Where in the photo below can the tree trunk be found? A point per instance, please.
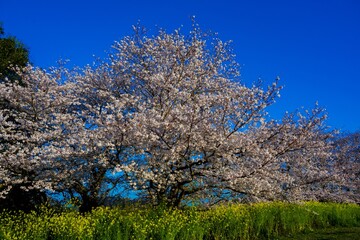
(88, 203)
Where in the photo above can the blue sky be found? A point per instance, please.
(313, 45)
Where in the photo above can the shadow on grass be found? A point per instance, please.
(352, 233)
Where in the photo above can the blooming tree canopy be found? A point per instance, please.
(31, 120)
(203, 130)
(168, 117)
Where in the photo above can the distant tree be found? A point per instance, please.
(346, 149)
(12, 53)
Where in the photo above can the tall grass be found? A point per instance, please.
(238, 221)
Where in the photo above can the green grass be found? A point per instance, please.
(238, 221)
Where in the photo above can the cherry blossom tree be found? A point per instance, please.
(30, 120)
(66, 133)
(346, 148)
(204, 132)
(284, 158)
(168, 117)
(102, 139)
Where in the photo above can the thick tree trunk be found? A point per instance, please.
(88, 203)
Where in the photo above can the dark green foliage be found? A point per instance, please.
(12, 53)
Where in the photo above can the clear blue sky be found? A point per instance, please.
(313, 45)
